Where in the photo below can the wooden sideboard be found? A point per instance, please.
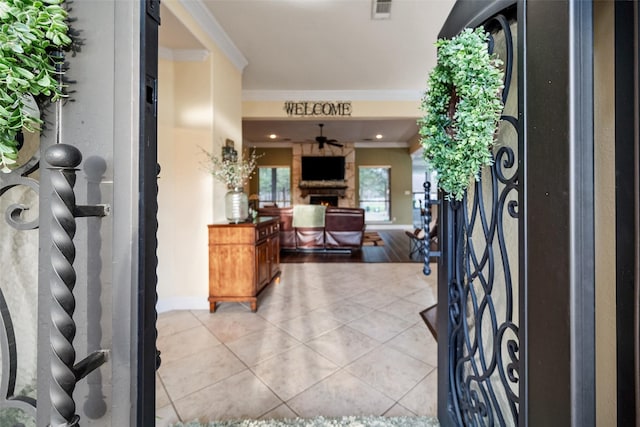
(243, 259)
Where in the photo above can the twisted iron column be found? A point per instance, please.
(426, 220)
(63, 160)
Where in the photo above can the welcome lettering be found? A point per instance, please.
(317, 108)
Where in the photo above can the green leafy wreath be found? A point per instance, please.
(462, 107)
(32, 35)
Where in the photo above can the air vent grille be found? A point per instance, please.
(381, 9)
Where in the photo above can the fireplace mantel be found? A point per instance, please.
(328, 188)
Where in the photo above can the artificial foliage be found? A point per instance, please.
(462, 106)
(33, 34)
(233, 173)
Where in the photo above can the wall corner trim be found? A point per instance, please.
(183, 55)
(213, 29)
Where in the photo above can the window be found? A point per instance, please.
(374, 192)
(275, 185)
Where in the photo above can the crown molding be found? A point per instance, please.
(183, 55)
(212, 28)
(288, 144)
(374, 144)
(332, 95)
(190, 55)
(268, 144)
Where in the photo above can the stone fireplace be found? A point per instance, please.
(343, 192)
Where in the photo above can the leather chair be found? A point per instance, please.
(344, 227)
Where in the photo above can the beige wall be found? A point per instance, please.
(182, 245)
(192, 106)
(224, 94)
(182, 221)
(604, 115)
(227, 119)
(400, 162)
(166, 102)
(199, 108)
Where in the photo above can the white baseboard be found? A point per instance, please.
(182, 303)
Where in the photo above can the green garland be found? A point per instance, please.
(32, 33)
(457, 144)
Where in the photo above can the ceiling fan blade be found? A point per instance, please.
(321, 139)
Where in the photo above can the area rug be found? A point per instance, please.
(324, 422)
(372, 238)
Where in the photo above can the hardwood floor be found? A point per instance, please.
(395, 249)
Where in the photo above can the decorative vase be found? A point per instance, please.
(236, 205)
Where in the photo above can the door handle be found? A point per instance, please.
(65, 373)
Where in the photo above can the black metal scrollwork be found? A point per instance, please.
(13, 216)
(20, 177)
(8, 400)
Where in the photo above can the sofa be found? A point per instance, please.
(314, 227)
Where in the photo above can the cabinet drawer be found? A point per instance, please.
(267, 229)
(275, 228)
(262, 233)
(231, 234)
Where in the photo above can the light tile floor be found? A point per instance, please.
(329, 339)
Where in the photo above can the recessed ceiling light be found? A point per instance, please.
(273, 136)
(381, 9)
(378, 136)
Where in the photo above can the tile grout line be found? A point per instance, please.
(335, 299)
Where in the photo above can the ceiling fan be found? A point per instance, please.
(321, 140)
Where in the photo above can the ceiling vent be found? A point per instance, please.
(381, 9)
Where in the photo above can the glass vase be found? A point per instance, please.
(236, 205)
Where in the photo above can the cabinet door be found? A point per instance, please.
(262, 264)
(274, 255)
(228, 272)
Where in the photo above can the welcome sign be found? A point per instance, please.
(317, 108)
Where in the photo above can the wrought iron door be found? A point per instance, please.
(517, 278)
(77, 237)
(479, 271)
(18, 287)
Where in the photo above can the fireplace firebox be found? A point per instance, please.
(323, 200)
